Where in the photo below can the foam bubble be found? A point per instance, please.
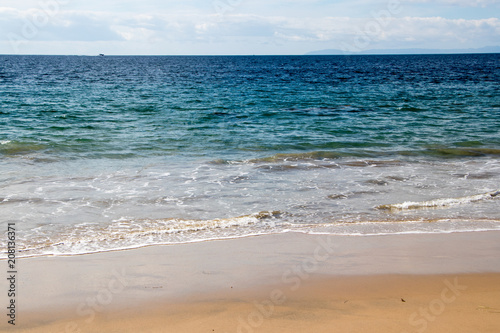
(440, 203)
(125, 233)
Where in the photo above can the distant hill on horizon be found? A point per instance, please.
(487, 49)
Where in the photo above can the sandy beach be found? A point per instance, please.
(288, 282)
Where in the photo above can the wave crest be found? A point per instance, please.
(133, 233)
(439, 203)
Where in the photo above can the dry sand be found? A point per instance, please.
(275, 283)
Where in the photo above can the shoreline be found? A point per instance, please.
(230, 238)
(135, 287)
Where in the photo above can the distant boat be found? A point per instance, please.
(101, 54)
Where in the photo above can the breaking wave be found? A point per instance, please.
(126, 234)
(440, 203)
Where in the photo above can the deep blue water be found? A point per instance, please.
(94, 107)
(168, 146)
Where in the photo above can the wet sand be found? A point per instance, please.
(276, 283)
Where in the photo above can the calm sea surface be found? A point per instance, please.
(105, 153)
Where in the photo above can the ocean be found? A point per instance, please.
(118, 152)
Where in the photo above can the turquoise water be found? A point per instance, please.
(102, 153)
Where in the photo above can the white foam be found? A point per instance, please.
(124, 233)
(440, 203)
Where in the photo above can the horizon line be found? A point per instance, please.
(310, 54)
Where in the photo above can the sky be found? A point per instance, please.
(243, 27)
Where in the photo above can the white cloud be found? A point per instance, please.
(462, 3)
(196, 32)
(438, 29)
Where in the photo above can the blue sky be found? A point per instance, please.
(167, 27)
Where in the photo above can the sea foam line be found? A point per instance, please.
(124, 234)
(439, 203)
